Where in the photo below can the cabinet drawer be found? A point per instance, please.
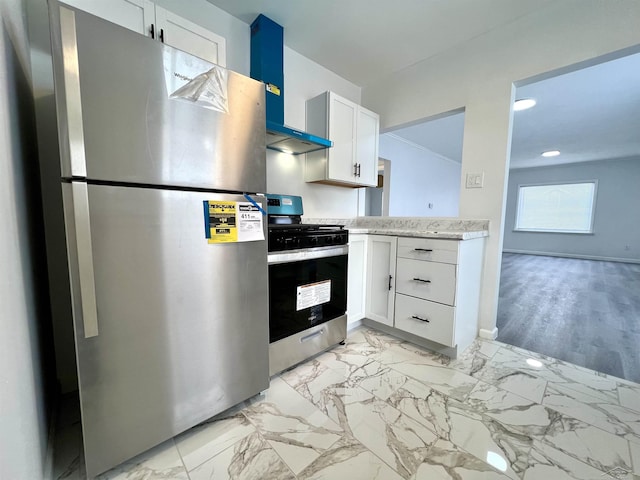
(440, 325)
(432, 249)
(427, 280)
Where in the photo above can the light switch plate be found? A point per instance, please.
(475, 180)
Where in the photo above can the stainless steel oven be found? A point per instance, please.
(307, 287)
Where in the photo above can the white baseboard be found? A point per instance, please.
(488, 334)
(572, 255)
(353, 325)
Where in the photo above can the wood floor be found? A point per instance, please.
(583, 311)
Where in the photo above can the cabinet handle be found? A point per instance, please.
(359, 167)
(420, 318)
(153, 31)
(355, 169)
(162, 35)
(422, 250)
(390, 277)
(421, 280)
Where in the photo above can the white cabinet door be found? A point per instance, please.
(144, 17)
(356, 277)
(136, 15)
(190, 37)
(342, 132)
(353, 159)
(381, 273)
(367, 147)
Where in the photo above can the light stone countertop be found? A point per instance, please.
(423, 227)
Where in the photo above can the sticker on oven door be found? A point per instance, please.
(313, 294)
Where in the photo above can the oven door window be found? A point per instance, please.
(298, 294)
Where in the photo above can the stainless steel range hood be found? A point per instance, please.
(288, 140)
(267, 65)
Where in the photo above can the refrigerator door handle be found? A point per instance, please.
(85, 258)
(73, 104)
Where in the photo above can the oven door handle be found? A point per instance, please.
(307, 254)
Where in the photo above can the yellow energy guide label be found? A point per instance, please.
(230, 222)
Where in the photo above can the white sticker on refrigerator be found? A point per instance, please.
(249, 222)
(313, 294)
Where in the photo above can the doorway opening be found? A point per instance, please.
(427, 163)
(570, 281)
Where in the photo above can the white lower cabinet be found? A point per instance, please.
(356, 274)
(427, 287)
(429, 280)
(431, 320)
(381, 281)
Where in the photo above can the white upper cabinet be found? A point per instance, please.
(353, 159)
(146, 18)
(136, 15)
(367, 146)
(190, 37)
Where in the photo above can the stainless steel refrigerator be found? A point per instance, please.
(162, 167)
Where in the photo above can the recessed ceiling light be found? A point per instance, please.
(523, 104)
(551, 153)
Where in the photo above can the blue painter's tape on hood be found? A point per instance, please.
(267, 65)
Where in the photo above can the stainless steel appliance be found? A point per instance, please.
(267, 65)
(162, 165)
(307, 284)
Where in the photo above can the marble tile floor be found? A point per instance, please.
(381, 408)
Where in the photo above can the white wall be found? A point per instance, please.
(479, 75)
(305, 79)
(24, 323)
(617, 199)
(420, 177)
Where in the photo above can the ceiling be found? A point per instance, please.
(589, 114)
(442, 136)
(364, 40)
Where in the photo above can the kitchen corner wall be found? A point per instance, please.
(27, 371)
(305, 79)
(479, 75)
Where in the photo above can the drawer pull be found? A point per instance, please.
(423, 250)
(390, 278)
(420, 318)
(421, 280)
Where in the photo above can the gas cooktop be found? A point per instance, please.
(286, 232)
